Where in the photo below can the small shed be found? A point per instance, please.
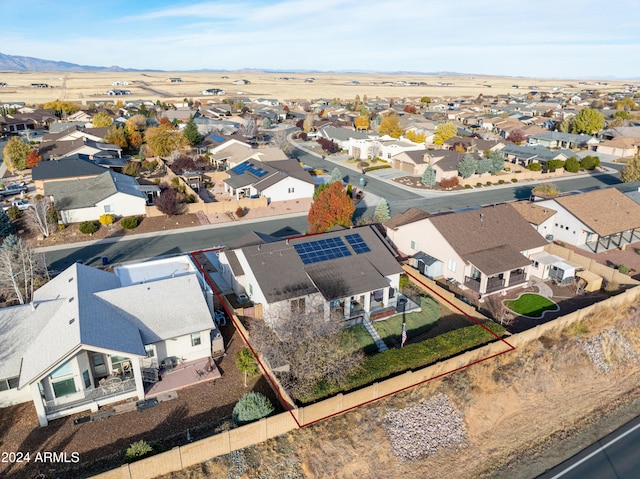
(562, 272)
(593, 282)
(427, 265)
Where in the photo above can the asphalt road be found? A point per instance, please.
(615, 456)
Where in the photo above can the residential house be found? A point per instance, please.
(75, 132)
(71, 168)
(524, 155)
(51, 150)
(276, 180)
(597, 220)
(86, 199)
(557, 139)
(342, 136)
(620, 146)
(385, 148)
(88, 339)
(485, 250)
(348, 274)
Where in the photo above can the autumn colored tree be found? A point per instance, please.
(362, 122)
(443, 132)
(33, 159)
(102, 120)
(117, 136)
(390, 125)
(517, 136)
(164, 141)
(333, 207)
(15, 154)
(410, 109)
(62, 108)
(416, 137)
(631, 171)
(183, 163)
(136, 123)
(168, 201)
(135, 140)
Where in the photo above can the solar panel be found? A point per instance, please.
(322, 250)
(250, 167)
(357, 243)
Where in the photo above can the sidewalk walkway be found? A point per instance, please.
(374, 335)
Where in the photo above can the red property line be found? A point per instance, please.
(277, 390)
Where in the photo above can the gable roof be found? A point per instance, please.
(70, 167)
(533, 213)
(606, 211)
(262, 175)
(87, 192)
(282, 275)
(475, 233)
(409, 216)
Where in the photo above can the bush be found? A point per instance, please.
(378, 167)
(240, 212)
(488, 183)
(590, 162)
(251, 407)
(612, 287)
(507, 168)
(449, 182)
(88, 227)
(514, 180)
(149, 165)
(129, 222)
(14, 213)
(572, 165)
(554, 164)
(501, 182)
(467, 186)
(191, 198)
(479, 184)
(132, 168)
(139, 450)
(623, 268)
(534, 167)
(106, 219)
(61, 227)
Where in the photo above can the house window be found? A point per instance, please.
(150, 350)
(298, 306)
(108, 208)
(196, 340)
(291, 190)
(11, 383)
(87, 380)
(250, 289)
(62, 370)
(414, 245)
(451, 264)
(64, 387)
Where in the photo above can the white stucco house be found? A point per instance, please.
(486, 250)
(92, 338)
(86, 199)
(349, 274)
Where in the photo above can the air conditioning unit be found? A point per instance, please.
(549, 237)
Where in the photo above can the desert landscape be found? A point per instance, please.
(90, 87)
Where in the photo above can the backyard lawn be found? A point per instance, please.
(363, 339)
(532, 305)
(390, 330)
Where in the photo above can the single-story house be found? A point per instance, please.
(597, 220)
(620, 146)
(86, 199)
(51, 150)
(88, 340)
(348, 274)
(485, 250)
(524, 155)
(558, 139)
(384, 148)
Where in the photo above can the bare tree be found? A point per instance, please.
(306, 347)
(249, 130)
(42, 216)
(495, 306)
(21, 268)
(279, 140)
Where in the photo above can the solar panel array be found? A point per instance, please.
(250, 167)
(322, 250)
(357, 243)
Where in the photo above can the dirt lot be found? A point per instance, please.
(523, 413)
(203, 409)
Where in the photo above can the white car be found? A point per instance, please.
(22, 205)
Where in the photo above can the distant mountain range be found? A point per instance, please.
(19, 63)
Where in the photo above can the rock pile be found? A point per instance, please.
(422, 430)
(600, 355)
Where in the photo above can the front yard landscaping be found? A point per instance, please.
(532, 305)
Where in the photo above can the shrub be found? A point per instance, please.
(488, 183)
(449, 182)
(129, 222)
(106, 219)
(572, 165)
(191, 198)
(501, 182)
(149, 165)
(514, 180)
(507, 168)
(612, 287)
(240, 212)
(467, 186)
(590, 162)
(88, 227)
(534, 167)
(14, 213)
(61, 227)
(139, 450)
(478, 184)
(251, 407)
(404, 281)
(132, 168)
(554, 164)
(623, 268)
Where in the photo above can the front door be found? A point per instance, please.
(99, 366)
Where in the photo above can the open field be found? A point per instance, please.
(87, 87)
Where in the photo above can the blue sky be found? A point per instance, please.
(559, 38)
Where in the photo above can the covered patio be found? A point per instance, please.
(183, 375)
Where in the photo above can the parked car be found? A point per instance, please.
(22, 205)
(14, 190)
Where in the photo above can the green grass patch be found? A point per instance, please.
(412, 356)
(390, 330)
(530, 304)
(363, 339)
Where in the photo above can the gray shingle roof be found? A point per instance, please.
(74, 166)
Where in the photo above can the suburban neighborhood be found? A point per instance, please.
(183, 279)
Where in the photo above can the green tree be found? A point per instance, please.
(497, 161)
(588, 121)
(191, 132)
(443, 132)
(467, 166)
(631, 171)
(484, 166)
(6, 226)
(429, 176)
(425, 99)
(590, 162)
(332, 207)
(390, 125)
(566, 125)
(336, 175)
(15, 154)
(102, 120)
(382, 213)
(554, 164)
(572, 165)
(246, 363)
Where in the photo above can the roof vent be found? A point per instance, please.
(481, 216)
(71, 321)
(71, 299)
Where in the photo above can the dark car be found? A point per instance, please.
(14, 190)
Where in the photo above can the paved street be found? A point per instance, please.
(615, 456)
